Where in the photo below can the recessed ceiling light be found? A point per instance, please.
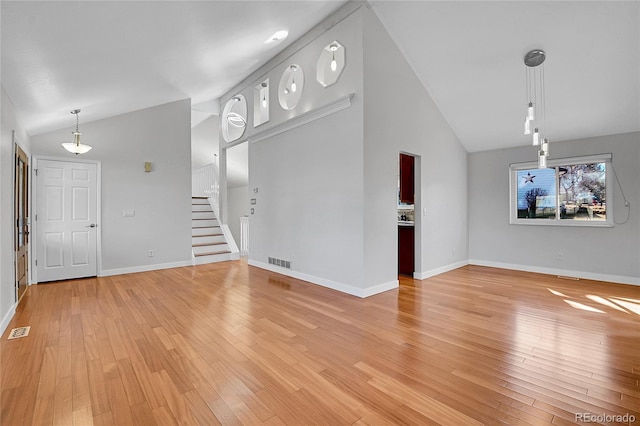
(277, 36)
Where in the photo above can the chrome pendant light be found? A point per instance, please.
(76, 147)
(535, 112)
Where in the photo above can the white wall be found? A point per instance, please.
(310, 179)
(161, 199)
(10, 122)
(400, 116)
(611, 254)
(238, 205)
(326, 191)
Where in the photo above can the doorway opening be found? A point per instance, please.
(237, 200)
(409, 208)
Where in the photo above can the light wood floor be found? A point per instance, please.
(231, 344)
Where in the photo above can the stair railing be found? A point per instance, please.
(205, 183)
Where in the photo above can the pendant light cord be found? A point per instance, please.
(543, 99)
(626, 202)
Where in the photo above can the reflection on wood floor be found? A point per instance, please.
(228, 344)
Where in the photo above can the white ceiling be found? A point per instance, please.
(469, 56)
(109, 58)
(112, 57)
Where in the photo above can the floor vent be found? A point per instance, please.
(16, 333)
(564, 277)
(279, 262)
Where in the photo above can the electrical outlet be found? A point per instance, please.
(560, 256)
(128, 213)
(150, 253)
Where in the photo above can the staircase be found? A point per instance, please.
(208, 240)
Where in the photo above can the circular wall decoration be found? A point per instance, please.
(290, 87)
(234, 118)
(330, 64)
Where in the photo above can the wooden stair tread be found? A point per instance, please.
(207, 235)
(203, 218)
(208, 244)
(212, 253)
(202, 227)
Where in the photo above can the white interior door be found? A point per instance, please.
(67, 226)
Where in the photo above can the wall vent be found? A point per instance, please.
(279, 262)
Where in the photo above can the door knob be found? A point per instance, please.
(93, 225)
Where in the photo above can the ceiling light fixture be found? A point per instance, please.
(536, 107)
(277, 36)
(76, 147)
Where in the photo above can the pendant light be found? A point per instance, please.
(536, 107)
(76, 147)
(293, 86)
(235, 119)
(536, 137)
(334, 63)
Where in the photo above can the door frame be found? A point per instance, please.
(34, 208)
(17, 150)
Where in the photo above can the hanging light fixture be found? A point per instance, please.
(76, 147)
(293, 86)
(334, 63)
(535, 112)
(235, 119)
(264, 86)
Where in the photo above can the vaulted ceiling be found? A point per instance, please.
(109, 58)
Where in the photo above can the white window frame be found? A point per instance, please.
(513, 191)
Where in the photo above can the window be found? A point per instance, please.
(572, 191)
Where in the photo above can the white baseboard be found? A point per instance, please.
(7, 318)
(620, 279)
(143, 268)
(441, 270)
(344, 288)
(380, 288)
